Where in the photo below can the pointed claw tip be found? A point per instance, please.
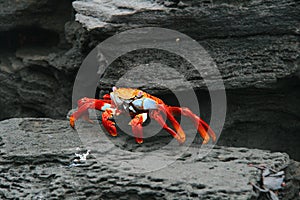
(205, 140)
(139, 140)
(181, 142)
(72, 122)
(214, 139)
(179, 139)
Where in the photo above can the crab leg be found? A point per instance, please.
(107, 123)
(180, 135)
(174, 122)
(203, 128)
(86, 103)
(154, 114)
(137, 129)
(106, 97)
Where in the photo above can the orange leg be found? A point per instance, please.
(156, 115)
(203, 128)
(106, 97)
(163, 108)
(137, 129)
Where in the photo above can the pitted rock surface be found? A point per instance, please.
(255, 45)
(36, 155)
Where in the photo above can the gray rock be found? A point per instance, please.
(32, 86)
(34, 77)
(254, 43)
(262, 118)
(32, 42)
(46, 14)
(36, 155)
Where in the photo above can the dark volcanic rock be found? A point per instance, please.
(262, 118)
(30, 86)
(36, 70)
(36, 155)
(254, 43)
(46, 14)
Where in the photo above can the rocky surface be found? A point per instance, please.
(261, 118)
(255, 45)
(36, 155)
(34, 77)
(50, 15)
(30, 86)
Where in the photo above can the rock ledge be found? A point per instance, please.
(36, 154)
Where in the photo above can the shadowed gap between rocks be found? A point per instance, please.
(27, 36)
(258, 118)
(264, 118)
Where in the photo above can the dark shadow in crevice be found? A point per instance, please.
(26, 37)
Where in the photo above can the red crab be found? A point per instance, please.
(139, 105)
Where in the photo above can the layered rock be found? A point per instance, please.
(254, 44)
(36, 71)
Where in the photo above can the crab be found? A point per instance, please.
(140, 106)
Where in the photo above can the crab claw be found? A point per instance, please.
(87, 103)
(72, 122)
(107, 123)
(206, 130)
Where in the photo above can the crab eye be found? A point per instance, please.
(140, 94)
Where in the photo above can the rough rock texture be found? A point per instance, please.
(261, 118)
(31, 86)
(36, 155)
(34, 77)
(49, 14)
(255, 44)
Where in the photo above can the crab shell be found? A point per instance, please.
(132, 99)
